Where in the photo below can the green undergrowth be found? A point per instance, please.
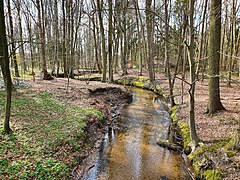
(201, 157)
(46, 136)
(144, 83)
(185, 133)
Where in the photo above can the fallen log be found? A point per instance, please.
(90, 79)
(169, 145)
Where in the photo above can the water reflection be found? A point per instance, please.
(131, 153)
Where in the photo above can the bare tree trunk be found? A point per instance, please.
(233, 41)
(224, 34)
(167, 54)
(214, 49)
(64, 40)
(201, 39)
(4, 56)
(41, 27)
(193, 133)
(96, 46)
(21, 52)
(110, 32)
(13, 52)
(149, 22)
(139, 36)
(116, 49)
(116, 35)
(104, 53)
(170, 83)
(143, 52)
(124, 41)
(29, 28)
(56, 61)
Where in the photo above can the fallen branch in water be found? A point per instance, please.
(169, 145)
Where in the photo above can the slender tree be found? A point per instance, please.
(104, 53)
(193, 133)
(233, 42)
(41, 26)
(21, 52)
(56, 38)
(201, 39)
(110, 32)
(64, 39)
(5, 68)
(166, 43)
(13, 51)
(124, 40)
(149, 23)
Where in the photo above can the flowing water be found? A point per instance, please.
(131, 152)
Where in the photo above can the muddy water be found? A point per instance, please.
(130, 152)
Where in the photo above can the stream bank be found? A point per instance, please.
(56, 126)
(213, 159)
(93, 169)
(176, 140)
(110, 101)
(129, 150)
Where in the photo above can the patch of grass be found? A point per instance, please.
(46, 133)
(185, 133)
(174, 116)
(215, 174)
(207, 151)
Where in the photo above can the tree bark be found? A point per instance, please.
(139, 37)
(104, 53)
(214, 103)
(5, 67)
(233, 41)
(201, 39)
(21, 52)
(110, 32)
(149, 22)
(64, 40)
(13, 52)
(166, 43)
(29, 29)
(124, 41)
(41, 27)
(193, 133)
(96, 46)
(56, 61)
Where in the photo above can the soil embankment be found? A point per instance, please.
(56, 126)
(108, 98)
(212, 159)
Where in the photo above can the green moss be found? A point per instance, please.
(185, 133)
(144, 83)
(204, 152)
(174, 116)
(231, 153)
(195, 167)
(230, 144)
(209, 174)
(138, 84)
(215, 174)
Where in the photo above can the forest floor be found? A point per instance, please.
(211, 130)
(214, 131)
(56, 126)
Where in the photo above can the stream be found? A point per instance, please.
(130, 152)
